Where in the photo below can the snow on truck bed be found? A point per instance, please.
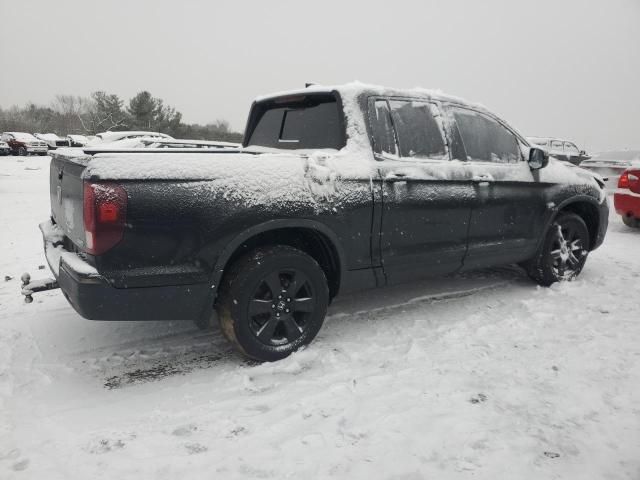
(483, 375)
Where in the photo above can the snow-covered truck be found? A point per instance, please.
(334, 189)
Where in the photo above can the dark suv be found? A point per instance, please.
(334, 189)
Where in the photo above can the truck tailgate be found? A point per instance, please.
(66, 191)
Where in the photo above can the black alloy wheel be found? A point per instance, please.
(272, 301)
(281, 306)
(563, 253)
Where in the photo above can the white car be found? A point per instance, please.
(162, 143)
(5, 149)
(77, 140)
(612, 164)
(108, 137)
(52, 140)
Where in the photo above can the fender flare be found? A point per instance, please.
(558, 208)
(267, 226)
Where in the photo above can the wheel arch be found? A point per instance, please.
(313, 238)
(587, 208)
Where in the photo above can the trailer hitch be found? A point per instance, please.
(29, 287)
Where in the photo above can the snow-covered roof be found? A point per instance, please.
(22, 135)
(52, 137)
(356, 88)
(112, 136)
(78, 138)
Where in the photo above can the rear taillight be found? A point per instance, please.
(105, 213)
(629, 179)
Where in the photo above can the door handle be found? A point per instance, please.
(482, 180)
(396, 177)
(483, 177)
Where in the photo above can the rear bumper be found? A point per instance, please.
(627, 203)
(94, 298)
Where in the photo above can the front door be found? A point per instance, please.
(510, 211)
(426, 198)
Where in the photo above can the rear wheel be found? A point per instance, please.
(272, 302)
(631, 221)
(563, 252)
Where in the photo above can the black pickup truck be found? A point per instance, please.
(334, 189)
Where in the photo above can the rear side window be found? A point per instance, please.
(408, 129)
(418, 131)
(384, 137)
(485, 139)
(305, 121)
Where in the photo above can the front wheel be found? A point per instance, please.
(22, 151)
(631, 221)
(563, 252)
(272, 302)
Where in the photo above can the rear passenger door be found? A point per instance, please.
(426, 198)
(508, 217)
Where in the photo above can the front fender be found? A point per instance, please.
(601, 208)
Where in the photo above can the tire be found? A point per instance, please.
(22, 151)
(563, 253)
(42, 154)
(272, 301)
(631, 222)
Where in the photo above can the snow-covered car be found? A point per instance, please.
(336, 189)
(560, 149)
(151, 143)
(22, 143)
(77, 140)
(52, 140)
(5, 149)
(612, 164)
(108, 137)
(626, 199)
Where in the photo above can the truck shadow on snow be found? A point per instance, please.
(188, 351)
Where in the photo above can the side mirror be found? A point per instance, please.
(583, 152)
(538, 158)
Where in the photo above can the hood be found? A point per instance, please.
(586, 174)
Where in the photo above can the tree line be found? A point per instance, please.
(102, 111)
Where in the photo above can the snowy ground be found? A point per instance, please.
(483, 374)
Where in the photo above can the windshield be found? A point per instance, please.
(297, 122)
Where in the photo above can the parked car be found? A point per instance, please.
(52, 140)
(561, 149)
(336, 189)
(106, 137)
(5, 149)
(612, 164)
(151, 143)
(626, 199)
(77, 140)
(24, 143)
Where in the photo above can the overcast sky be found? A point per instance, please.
(568, 68)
